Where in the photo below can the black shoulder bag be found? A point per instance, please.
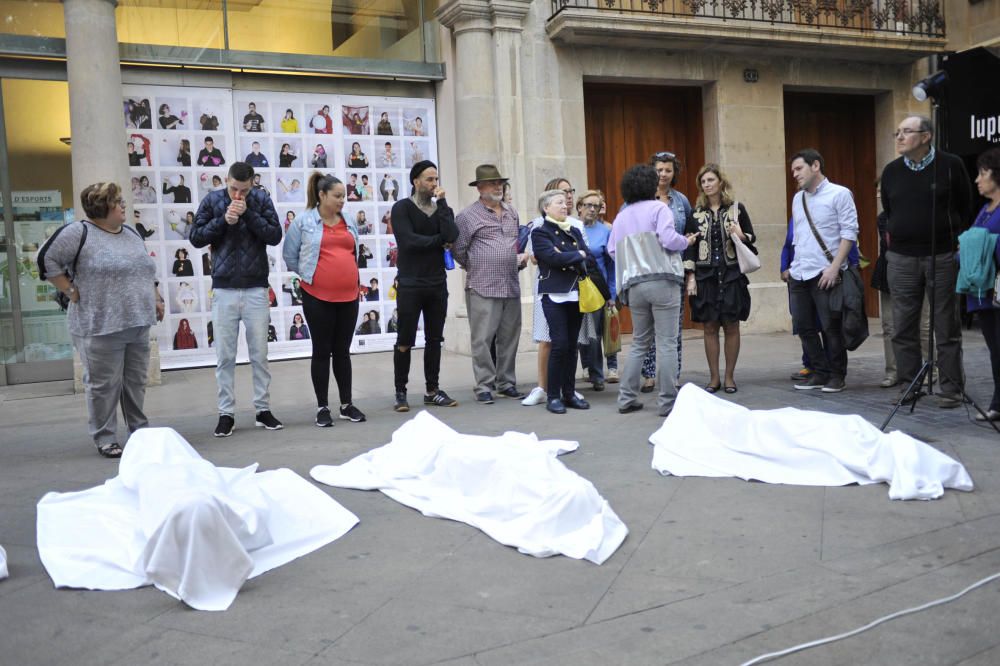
(61, 298)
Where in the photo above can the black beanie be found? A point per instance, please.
(419, 168)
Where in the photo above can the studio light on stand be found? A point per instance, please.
(933, 86)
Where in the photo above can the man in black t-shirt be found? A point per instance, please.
(253, 121)
(424, 229)
(924, 224)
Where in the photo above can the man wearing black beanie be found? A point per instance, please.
(424, 229)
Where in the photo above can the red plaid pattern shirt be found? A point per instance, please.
(487, 249)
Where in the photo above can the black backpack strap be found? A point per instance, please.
(45, 248)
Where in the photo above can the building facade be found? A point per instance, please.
(579, 88)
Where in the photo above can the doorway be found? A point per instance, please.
(627, 124)
(842, 128)
(35, 162)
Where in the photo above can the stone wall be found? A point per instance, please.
(539, 132)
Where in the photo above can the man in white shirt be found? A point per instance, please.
(825, 228)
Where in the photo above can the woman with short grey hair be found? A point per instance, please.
(103, 268)
(563, 259)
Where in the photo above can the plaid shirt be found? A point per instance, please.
(487, 249)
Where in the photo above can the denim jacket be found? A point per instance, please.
(302, 241)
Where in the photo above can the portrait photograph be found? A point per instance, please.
(209, 182)
(387, 154)
(388, 123)
(171, 113)
(209, 115)
(320, 155)
(256, 151)
(175, 187)
(186, 332)
(355, 120)
(288, 153)
(320, 119)
(173, 150)
(212, 151)
(138, 112)
(139, 149)
(415, 122)
(144, 187)
(288, 118)
(177, 223)
(415, 150)
(146, 221)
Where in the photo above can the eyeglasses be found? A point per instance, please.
(592, 206)
(569, 191)
(907, 132)
(119, 202)
(664, 156)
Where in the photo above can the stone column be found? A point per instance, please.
(95, 108)
(476, 131)
(95, 94)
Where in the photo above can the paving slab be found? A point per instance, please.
(714, 571)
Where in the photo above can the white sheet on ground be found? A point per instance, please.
(174, 520)
(512, 487)
(707, 436)
(3, 563)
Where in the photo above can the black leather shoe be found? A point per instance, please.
(484, 398)
(556, 406)
(574, 402)
(511, 392)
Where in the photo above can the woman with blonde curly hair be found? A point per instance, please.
(717, 290)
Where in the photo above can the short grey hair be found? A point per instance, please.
(546, 198)
(926, 124)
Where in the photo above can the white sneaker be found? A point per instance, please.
(612, 377)
(536, 397)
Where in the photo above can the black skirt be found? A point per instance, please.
(723, 295)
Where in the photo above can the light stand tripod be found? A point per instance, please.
(912, 394)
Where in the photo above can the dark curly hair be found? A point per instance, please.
(990, 161)
(639, 183)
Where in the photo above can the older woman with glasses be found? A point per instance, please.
(103, 268)
(596, 234)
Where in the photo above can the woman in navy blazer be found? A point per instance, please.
(563, 258)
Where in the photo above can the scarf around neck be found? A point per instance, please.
(564, 225)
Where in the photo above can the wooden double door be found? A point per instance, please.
(842, 128)
(627, 124)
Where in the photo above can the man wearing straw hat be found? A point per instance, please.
(487, 249)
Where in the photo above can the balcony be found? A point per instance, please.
(869, 30)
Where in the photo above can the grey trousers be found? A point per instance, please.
(489, 318)
(114, 371)
(909, 283)
(889, 329)
(655, 308)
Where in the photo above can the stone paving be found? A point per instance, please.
(714, 571)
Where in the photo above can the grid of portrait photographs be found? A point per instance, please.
(180, 142)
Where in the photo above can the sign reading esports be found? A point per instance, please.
(180, 144)
(972, 111)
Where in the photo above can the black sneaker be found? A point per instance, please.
(484, 398)
(511, 392)
(814, 382)
(629, 408)
(351, 413)
(266, 420)
(225, 427)
(440, 399)
(323, 418)
(401, 405)
(834, 385)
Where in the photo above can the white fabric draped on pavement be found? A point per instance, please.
(3, 563)
(512, 487)
(708, 436)
(174, 520)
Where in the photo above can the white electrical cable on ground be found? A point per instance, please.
(893, 616)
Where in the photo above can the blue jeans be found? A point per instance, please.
(229, 308)
(592, 353)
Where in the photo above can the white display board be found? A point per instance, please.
(173, 168)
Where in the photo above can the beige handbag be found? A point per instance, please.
(748, 261)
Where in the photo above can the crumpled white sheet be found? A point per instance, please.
(3, 563)
(174, 520)
(512, 487)
(707, 436)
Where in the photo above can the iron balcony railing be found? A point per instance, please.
(896, 17)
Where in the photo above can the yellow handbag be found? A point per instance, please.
(590, 296)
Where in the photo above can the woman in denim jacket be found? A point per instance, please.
(321, 245)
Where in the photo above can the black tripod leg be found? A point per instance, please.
(914, 389)
(967, 399)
